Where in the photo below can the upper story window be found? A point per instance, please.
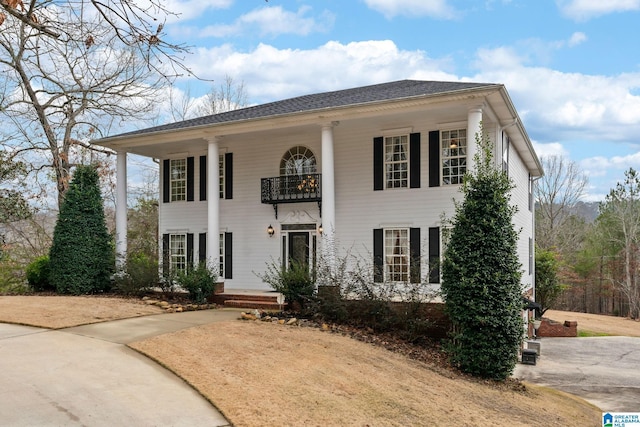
(396, 161)
(454, 155)
(298, 161)
(505, 154)
(178, 177)
(531, 192)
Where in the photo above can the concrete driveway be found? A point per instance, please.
(602, 370)
(85, 376)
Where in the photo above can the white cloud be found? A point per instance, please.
(549, 149)
(412, 8)
(583, 10)
(270, 21)
(561, 105)
(271, 73)
(190, 9)
(577, 38)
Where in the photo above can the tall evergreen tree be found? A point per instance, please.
(481, 273)
(81, 256)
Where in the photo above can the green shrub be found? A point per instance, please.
(200, 282)
(12, 276)
(81, 256)
(481, 274)
(139, 275)
(294, 282)
(38, 274)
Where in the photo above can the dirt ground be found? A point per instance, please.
(597, 323)
(266, 374)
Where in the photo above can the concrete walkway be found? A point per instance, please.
(601, 370)
(86, 376)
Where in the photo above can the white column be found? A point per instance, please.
(474, 120)
(121, 209)
(328, 195)
(213, 202)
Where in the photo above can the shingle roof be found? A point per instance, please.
(319, 101)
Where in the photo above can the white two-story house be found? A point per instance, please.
(371, 168)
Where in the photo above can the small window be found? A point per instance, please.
(396, 254)
(178, 252)
(531, 192)
(178, 177)
(531, 261)
(396, 161)
(505, 153)
(454, 156)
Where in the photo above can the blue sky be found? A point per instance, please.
(572, 67)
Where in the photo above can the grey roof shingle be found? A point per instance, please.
(319, 101)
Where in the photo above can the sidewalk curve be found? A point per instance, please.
(86, 376)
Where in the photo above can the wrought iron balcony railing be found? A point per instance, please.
(291, 189)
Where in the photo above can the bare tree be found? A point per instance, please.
(71, 75)
(229, 95)
(557, 194)
(620, 218)
(136, 25)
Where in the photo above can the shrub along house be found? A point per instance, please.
(371, 168)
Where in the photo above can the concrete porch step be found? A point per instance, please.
(261, 300)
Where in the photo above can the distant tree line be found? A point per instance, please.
(581, 264)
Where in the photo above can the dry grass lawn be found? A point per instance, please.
(262, 374)
(597, 323)
(55, 312)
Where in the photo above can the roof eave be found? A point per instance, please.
(290, 119)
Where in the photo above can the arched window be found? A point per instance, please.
(298, 161)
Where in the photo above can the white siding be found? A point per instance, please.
(359, 209)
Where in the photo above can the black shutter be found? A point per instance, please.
(228, 176)
(190, 183)
(189, 250)
(378, 163)
(434, 158)
(202, 248)
(434, 255)
(228, 255)
(203, 178)
(166, 181)
(414, 160)
(165, 254)
(378, 255)
(414, 253)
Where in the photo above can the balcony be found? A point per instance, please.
(291, 189)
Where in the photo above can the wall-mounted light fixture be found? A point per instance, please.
(270, 231)
(320, 230)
